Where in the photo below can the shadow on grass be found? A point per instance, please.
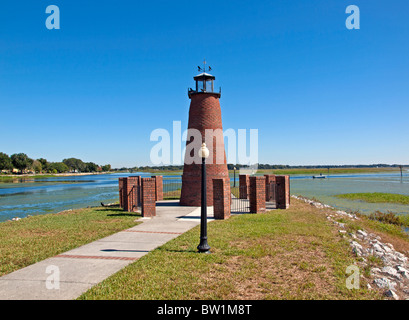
(119, 212)
(180, 250)
(116, 250)
(125, 214)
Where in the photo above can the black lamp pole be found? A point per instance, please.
(234, 181)
(203, 247)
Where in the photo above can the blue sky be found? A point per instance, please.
(317, 92)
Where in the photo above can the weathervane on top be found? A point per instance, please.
(204, 67)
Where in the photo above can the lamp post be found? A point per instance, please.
(203, 247)
(234, 181)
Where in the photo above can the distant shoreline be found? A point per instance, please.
(49, 175)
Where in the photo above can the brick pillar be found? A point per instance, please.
(148, 197)
(121, 192)
(221, 199)
(257, 194)
(270, 178)
(158, 188)
(130, 193)
(283, 192)
(244, 184)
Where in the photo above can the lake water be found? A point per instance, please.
(325, 190)
(51, 195)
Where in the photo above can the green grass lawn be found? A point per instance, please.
(376, 197)
(282, 254)
(36, 238)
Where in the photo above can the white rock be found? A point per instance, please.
(390, 271)
(391, 294)
(362, 233)
(356, 248)
(401, 269)
(377, 248)
(388, 249)
(375, 271)
(401, 255)
(390, 246)
(403, 272)
(384, 283)
(356, 244)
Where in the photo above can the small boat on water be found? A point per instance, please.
(319, 177)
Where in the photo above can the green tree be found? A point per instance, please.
(21, 161)
(75, 164)
(44, 164)
(5, 162)
(91, 167)
(58, 167)
(106, 168)
(37, 166)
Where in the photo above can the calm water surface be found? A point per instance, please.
(325, 190)
(51, 195)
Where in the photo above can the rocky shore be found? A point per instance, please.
(392, 279)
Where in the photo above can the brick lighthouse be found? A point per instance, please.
(205, 117)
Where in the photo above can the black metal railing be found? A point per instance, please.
(172, 186)
(237, 204)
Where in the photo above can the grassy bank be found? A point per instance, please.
(36, 238)
(13, 177)
(376, 197)
(282, 254)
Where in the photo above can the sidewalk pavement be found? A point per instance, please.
(81, 268)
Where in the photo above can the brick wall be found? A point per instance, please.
(283, 192)
(244, 186)
(221, 199)
(158, 188)
(130, 191)
(257, 194)
(148, 195)
(121, 192)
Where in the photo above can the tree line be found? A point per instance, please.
(22, 162)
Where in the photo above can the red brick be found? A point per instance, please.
(204, 113)
(158, 188)
(283, 192)
(221, 199)
(148, 196)
(257, 194)
(130, 193)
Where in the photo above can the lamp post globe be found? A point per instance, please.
(203, 247)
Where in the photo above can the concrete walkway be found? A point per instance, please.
(81, 268)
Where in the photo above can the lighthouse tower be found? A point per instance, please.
(205, 117)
